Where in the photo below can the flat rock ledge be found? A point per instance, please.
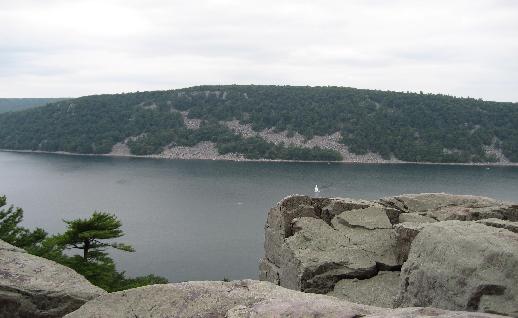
(238, 299)
(456, 252)
(31, 286)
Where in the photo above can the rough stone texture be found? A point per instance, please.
(237, 299)
(370, 230)
(369, 218)
(462, 266)
(442, 206)
(312, 243)
(31, 286)
(415, 218)
(380, 290)
(508, 225)
(4, 246)
(405, 235)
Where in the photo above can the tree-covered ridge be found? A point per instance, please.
(408, 126)
(15, 104)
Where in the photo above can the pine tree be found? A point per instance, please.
(10, 230)
(90, 234)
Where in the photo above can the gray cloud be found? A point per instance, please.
(73, 48)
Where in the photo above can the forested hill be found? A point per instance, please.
(14, 104)
(406, 126)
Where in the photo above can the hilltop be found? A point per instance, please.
(272, 122)
(15, 104)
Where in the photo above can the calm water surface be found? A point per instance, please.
(198, 220)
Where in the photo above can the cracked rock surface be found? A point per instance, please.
(354, 249)
(380, 290)
(311, 243)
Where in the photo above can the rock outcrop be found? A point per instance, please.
(31, 286)
(345, 247)
(238, 299)
(311, 244)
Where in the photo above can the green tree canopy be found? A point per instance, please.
(407, 126)
(90, 234)
(95, 264)
(11, 231)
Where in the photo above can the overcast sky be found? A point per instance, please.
(58, 48)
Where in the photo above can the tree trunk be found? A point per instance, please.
(86, 246)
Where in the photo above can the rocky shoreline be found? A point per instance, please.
(191, 153)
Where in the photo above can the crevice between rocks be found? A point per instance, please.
(474, 299)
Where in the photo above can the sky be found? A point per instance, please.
(70, 48)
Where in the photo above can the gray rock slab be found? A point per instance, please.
(370, 218)
(238, 299)
(31, 286)
(462, 266)
(443, 206)
(379, 290)
(325, 256)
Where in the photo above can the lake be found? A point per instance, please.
(200, 220)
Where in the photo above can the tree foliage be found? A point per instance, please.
(88, 235)
(16, 104)
(408, 126)
(10, 230)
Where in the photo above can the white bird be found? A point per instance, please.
(316, 189)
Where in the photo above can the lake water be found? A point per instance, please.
(198, 220)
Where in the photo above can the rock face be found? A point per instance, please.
(345, 247)
(405, 235)
(311, 244)
(380, 290)
(237, 299)
(462, 265)
(31, 286)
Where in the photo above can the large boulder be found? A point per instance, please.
(237, 299)
(462, 266)
(31, 286)
(443, 206)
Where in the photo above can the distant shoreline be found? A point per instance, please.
(158, 157)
